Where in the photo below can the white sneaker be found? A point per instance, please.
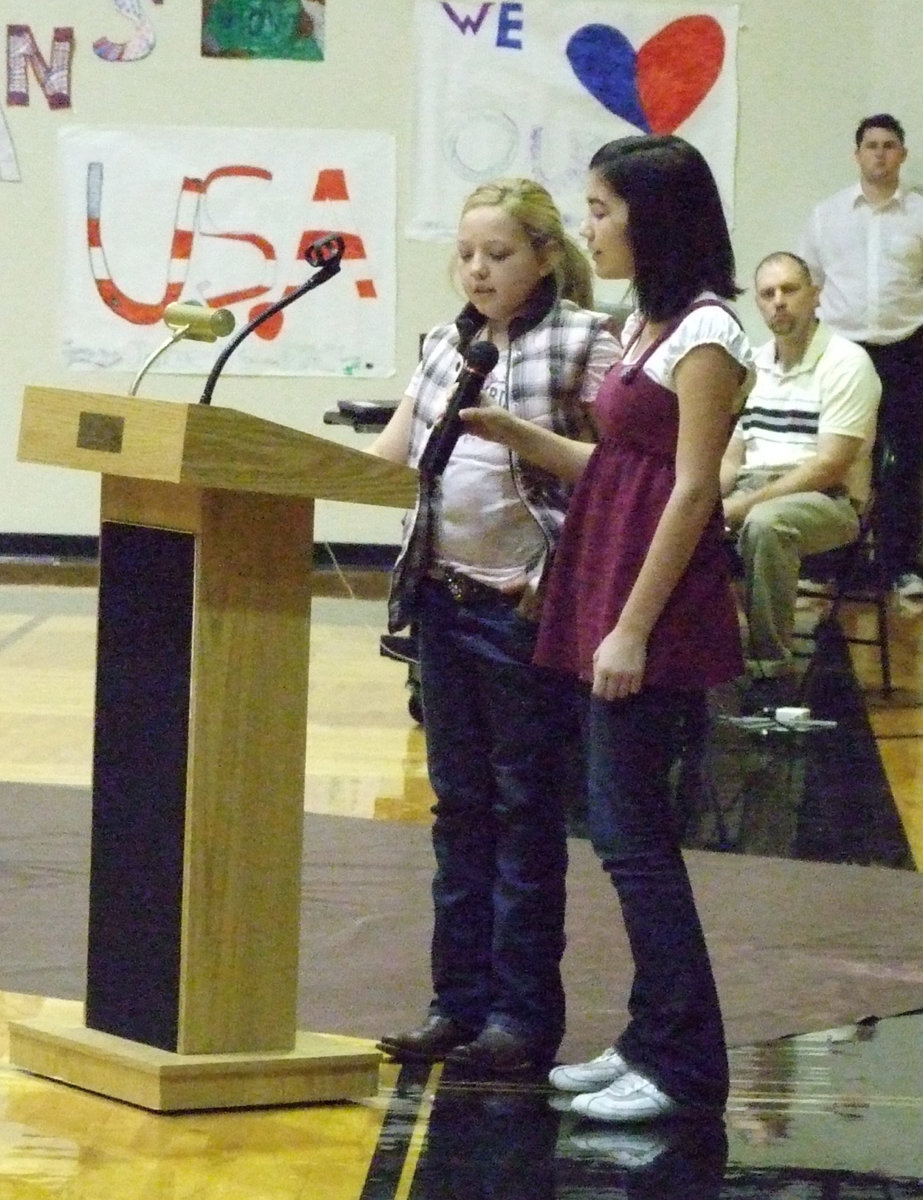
(624, 1147)
(909, 585)
(589, 1076)
(630, 1098)
(813, 587)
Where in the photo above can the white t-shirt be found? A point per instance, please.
(485, 529)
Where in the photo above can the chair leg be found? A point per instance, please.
(884, 646)
(857, 580)
(831, 620)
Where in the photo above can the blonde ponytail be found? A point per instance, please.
(531, 205)
(575, 275)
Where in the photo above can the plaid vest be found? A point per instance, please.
(549, 350)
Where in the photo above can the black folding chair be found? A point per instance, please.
(852, 575)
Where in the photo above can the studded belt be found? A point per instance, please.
(471, 592)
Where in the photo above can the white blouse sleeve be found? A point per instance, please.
(709, 325)
(604, 351)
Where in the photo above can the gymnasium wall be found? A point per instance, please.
(808, 71)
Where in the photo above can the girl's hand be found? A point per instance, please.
(559, 455)
(492, 423)
(618, 665)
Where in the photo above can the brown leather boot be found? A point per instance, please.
(430, 1043)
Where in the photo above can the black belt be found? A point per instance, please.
(471, 592)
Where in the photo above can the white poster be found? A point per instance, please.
(224, 217)
(534, 88)
(9, 167)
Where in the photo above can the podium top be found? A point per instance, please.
(203, 445)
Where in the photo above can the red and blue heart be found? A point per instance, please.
(657, 87)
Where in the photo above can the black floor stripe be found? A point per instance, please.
(391, 1150)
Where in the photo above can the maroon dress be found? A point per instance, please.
(610, 522)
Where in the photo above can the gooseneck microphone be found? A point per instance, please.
(198, 323)
(191, 320)
(325, 254)
(480, 360)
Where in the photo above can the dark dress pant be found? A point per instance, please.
(899, 454)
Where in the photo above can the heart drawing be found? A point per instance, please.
(657, 87)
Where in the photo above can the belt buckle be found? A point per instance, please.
(456, 587)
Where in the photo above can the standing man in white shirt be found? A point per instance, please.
(795, 474)
(864, 246)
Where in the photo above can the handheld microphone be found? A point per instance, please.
(480, 360)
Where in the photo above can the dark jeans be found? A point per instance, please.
(675, 1034)
(495, 730)
(899, 453)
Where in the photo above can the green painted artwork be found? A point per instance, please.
(263, 29)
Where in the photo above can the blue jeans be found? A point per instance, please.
(495, 727)
(675, 1034)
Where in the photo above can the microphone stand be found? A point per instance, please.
(174, 337)
(325, 254)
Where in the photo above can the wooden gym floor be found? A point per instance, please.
(835, 1114)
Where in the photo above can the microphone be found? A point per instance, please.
(198, 323)
(325, 254)
(480, 360)
(190, 319)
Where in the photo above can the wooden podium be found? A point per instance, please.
(199, 752)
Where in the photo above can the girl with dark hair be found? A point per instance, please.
(639, 605)
(679, 238)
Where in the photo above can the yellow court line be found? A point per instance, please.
(418, 1136)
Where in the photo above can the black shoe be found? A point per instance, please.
(398, 647)
(495, 1052)
(428, 1044)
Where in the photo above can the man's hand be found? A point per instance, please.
(736, 508)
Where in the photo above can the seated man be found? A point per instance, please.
(797, 468)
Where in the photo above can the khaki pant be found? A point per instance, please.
(772, 541)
